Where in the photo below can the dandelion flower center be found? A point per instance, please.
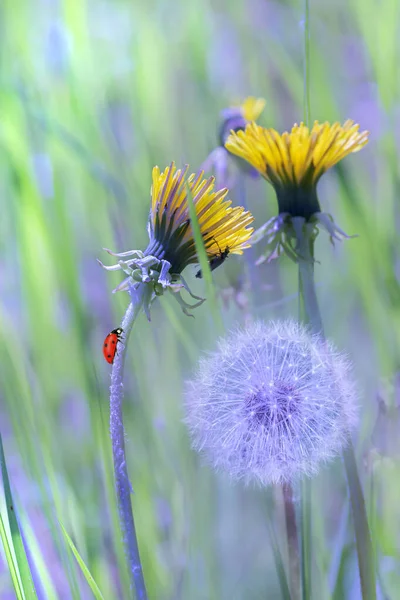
(274, 404)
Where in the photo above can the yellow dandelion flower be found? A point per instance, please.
(224, 229)
(293, 163)
(296, 160)
(171, 233)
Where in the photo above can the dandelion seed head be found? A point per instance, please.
(272, 403)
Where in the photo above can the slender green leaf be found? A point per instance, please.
(13, 568)
(365, 553)
(20, 554)
(45, 587)
(339, 547)
(203, 259)
(88, 576)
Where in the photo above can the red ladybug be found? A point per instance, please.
(110, 344)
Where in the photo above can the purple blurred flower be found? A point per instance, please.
(220, 160)
(57, 48)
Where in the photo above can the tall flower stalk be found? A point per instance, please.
(117, 433)
(292, 535)
(308, 313)
(151, 273)
(293, 163)
(363, 537)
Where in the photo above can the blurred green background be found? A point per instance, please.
(93, 95)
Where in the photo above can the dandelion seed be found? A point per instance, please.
(256, 419)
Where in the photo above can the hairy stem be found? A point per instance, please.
(292, 540)
(122, 483)
(312, 316)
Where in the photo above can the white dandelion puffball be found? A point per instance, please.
(272, 403)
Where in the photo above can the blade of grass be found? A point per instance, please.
(11, 562)
(305, 502)
(88, 576)
(203, 259)
(20, 554)
(42, 575)
(339, 547)
(365, 553)
(97, 170)
(306, 101)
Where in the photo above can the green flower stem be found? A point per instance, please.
(306, 537)
(122, 483)
(307, 109)
(309, 308)
(311, 314)
(250, 255)
(308, 313)
(292, 541)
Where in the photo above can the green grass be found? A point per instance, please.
(158, 75)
